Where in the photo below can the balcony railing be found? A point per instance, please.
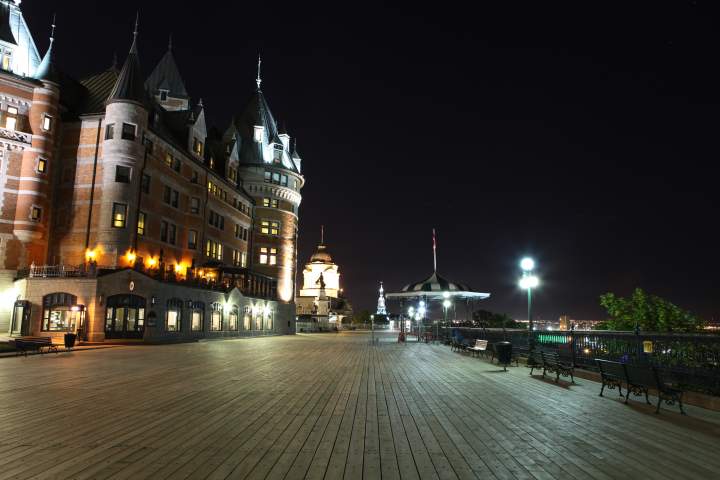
(15, 136)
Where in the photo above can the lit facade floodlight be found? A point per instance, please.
(529, 281)
(447, 303)
(527, 264)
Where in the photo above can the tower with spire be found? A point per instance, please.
(381, 309)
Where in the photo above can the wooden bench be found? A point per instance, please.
(552, 363)
(36, 344)
(480, 347)
(641, 378)
(612, 375)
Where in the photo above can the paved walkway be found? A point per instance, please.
(327, 406)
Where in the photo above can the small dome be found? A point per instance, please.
(321, 255)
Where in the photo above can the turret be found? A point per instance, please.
(126, 118)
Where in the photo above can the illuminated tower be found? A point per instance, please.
(270, 171)
(381, 310)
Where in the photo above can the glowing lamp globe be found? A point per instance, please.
(531, 281)
(527, 264)
(447, 303)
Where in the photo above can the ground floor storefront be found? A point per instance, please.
(128, 305)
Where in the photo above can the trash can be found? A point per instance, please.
(504, 353)
(70, 340)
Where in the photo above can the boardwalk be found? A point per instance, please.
(327, 406)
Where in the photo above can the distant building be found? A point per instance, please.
(321, 305)
(381, 309)
(565, 323)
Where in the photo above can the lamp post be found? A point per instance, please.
(446, 304)
(372, 329)
(528, 281)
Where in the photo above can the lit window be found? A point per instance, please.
(42, 165)
(232, 174)
(119, 215)
(122, 174)
(192, 239)
(267, 176)
(141, 223)
(197, 147)
(57, 312)
(168, 160)
(197, 319)
(7, 60)
(259, 134)
(243, 259)
(216, 317)
(128, 131)
(109, 131)
(173, 319)
(268, 256)
(276, 178)
(237, 258)
(35, 214)
(11, 120)
(213, 249)
(212, 162)
(268, 227)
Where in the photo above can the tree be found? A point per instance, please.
(648, 312)
(489, 319)
(362, 317)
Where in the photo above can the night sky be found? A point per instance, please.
(581, 133)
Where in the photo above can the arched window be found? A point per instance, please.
(198, 317)
(57, 312)
(233, 318)
(246, 318)
(216, 320)
(173, 316)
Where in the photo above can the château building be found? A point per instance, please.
(123, 215)
(321, 304)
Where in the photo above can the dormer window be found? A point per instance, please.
(259, 130)
(197, 147)
(163, 95)
(6, 59)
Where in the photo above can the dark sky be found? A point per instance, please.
(581, 133)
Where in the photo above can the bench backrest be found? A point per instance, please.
(613, 369)
(481, 344)
(640, 375)
(551, 357)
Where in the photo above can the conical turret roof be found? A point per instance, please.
(129, 85)
(166, 76)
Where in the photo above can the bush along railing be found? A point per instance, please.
(690, 360)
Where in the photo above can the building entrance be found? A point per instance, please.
(125, 317)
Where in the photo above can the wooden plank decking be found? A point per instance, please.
(327, 406)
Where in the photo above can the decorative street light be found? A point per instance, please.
(528, 282)
(446, 305)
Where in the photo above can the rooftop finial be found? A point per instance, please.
(137, 24)
(52, 31)
(258, 80)
(170, 42)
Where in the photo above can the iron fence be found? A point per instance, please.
(691, 360)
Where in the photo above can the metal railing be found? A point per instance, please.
(691, 360)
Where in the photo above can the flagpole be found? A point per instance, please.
(434, 251)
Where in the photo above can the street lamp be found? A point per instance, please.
(528, 281)
(372, 328)
(446, 304)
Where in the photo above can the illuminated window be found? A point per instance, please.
(173, 317)
(197, 147)
(35, 214)
(276, 178)
(11, 119)
(216, 320)
(119, 215)
(109, 131)
(270, 202)
(57, 312)
(122, 174)
(192, 239)
(243, 259)
(268, 256)
(212, 162)
(168, 160)
(42, 165)
(129, 131)
(268, 176)
(259, 134)
(141, 223)
(198, 314)
(237, 258)
(232, 174)
(213, 249)
(6, 59)
(268, 227)
(233, 318)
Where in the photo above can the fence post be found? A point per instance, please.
(572, 343)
